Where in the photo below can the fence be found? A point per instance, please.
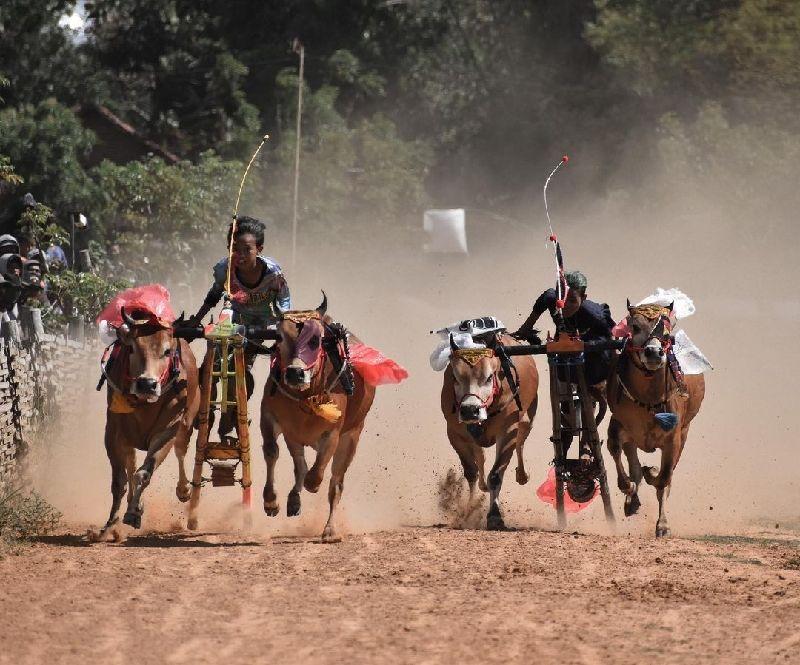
(41, 379)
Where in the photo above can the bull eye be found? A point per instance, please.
(488, 379)
(167, 353)
(314, 342)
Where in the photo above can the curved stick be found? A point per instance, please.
(236, 211)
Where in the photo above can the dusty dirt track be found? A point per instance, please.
(415, 595)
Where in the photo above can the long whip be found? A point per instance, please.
(561, 282)
(236, 213)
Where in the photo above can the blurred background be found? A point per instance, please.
(125, 127)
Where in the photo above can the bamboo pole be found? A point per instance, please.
(298, 48)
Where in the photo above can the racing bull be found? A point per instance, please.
(153, 398)
(314, 399)
(652, 405)
(488, 400)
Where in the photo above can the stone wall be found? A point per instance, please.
(43, 379)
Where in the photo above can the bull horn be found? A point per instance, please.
(628, 300)
(324, 305)
(127, 318)
(453, 346)
(671, 305)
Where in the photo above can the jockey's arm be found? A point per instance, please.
(284, 298)
(213, 297)
(541, 305)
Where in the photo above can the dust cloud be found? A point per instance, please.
(738, 466)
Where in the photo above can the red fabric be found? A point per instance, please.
(547, 493)
(622, 329)
(375, 368)
(152, 299)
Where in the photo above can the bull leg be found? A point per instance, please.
(505, 450)
(662, 480)
(615, 435)
(470, 468)
(471, 457)
(342, 458)
(525, 425)
(158, 451)
(480, 460)
(130, 469)
(632, 502)
(269, 434)
(183, 489)
(297, 451)
(119, 459)
(522, 435)
(326, 448)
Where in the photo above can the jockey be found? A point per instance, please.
(588, 319)
(258, 287)
(258, 291)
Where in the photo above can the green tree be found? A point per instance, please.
(177, 70)
(159, 217)
(46, 143)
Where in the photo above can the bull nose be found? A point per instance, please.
(145, 385)
(469, 412)
(295, 375)
(650, 352)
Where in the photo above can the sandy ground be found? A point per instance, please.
(421, 595)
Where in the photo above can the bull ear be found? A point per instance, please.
(127, 318)
(453, 346)
(323, 307)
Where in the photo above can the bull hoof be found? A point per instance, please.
(329, 536)
(632, 505)
(133, 520)
(522, 477)
(662, 531)
(271, 509)
(191, 524)
(110, 533)
(494, 520)
(293, 504)
(183, 492)
(312, 481)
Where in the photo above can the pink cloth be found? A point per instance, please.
(547, 493)
(375, 368)
(622, 329)
(152, 299)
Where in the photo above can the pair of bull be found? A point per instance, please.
(484, 406)
(153, 399)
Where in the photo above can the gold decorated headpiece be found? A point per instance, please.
(472, 356)
(651, 312)
(301, 316)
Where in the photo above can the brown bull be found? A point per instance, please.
(153, 398)
(305, 401)
(641, 385)
(481, 411)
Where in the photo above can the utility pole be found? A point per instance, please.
(298, 48)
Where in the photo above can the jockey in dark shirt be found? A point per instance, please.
(588, 319)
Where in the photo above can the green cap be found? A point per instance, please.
(576, 280)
